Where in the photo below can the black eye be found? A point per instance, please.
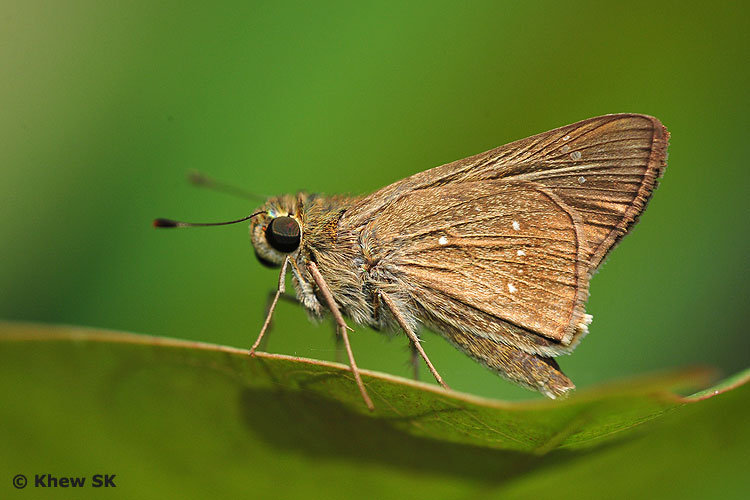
(283, 234)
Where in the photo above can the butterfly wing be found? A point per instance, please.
(500, 258)
(603, 168)
(503, 243)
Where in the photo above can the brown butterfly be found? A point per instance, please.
(494, 251)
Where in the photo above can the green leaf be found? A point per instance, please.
(185, 419)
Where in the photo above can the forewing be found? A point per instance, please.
(604, 169)
(508, 249)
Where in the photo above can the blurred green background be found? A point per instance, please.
(106, 107)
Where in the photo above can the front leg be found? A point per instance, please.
(280, 290)
(331, 303)
(267, 309)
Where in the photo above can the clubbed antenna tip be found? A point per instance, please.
(165, 223)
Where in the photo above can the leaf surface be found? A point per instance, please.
(182, 418)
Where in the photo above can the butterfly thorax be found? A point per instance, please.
(339, 257)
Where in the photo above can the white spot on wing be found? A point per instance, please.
(516, 225)
(566, 138)
(565, 148)
(511, 288)
(581, 180)
(443, 240)
(520, 253)
(575, 155)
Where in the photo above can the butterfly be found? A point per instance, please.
(494, 252)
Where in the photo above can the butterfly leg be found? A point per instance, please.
(331, 303)
(412, 336)
(339, 343)
(414, 360)
(279, 291)
(269, 302)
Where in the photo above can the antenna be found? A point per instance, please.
(176, 223)
(198, 179)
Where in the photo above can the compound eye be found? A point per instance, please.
(283, 234)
